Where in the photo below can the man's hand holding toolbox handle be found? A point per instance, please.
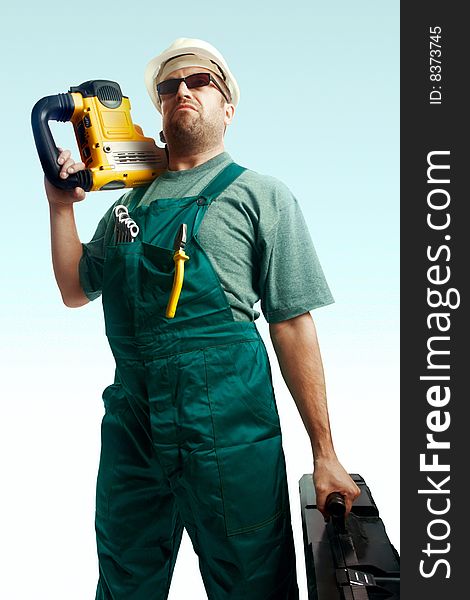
(335, 507)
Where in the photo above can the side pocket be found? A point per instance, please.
(251, 362)
(248, 445)
(112, 440)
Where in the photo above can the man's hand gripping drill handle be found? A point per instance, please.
(65, 244)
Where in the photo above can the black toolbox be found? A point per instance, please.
(350, 559)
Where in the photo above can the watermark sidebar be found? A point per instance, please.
(435, 270)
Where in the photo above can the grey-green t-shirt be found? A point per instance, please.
(254, 234)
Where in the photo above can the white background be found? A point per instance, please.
(319, 110)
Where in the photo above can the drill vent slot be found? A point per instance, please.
(109, 96)
(107, 92)
(135, 157)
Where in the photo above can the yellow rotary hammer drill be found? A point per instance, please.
(115, 151)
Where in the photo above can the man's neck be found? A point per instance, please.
(182, 162)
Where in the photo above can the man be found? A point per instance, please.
(191, 435)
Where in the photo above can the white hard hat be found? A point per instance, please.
(188, 52)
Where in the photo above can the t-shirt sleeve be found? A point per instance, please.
(291, 277)
(93, 254)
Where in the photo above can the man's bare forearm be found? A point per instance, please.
(66, 253)
(296, 345)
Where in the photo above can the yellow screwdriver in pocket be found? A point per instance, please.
(179, 257)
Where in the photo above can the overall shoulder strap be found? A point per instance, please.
(213, 189)
(136, 196)
(221, 181)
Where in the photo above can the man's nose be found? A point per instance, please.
(183, 90)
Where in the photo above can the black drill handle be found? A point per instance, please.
(55, 108)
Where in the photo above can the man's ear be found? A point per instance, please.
(229, 113)
(162, 137)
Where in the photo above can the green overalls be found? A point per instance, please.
(190, 435)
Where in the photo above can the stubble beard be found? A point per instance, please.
(190, 134)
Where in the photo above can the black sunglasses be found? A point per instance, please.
(196, 80)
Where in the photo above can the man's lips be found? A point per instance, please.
(185, 106)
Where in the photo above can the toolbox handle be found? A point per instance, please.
(55, 108)
(335, 505)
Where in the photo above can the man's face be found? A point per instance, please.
(194, 119)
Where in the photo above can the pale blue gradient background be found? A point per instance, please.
(319, 109)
